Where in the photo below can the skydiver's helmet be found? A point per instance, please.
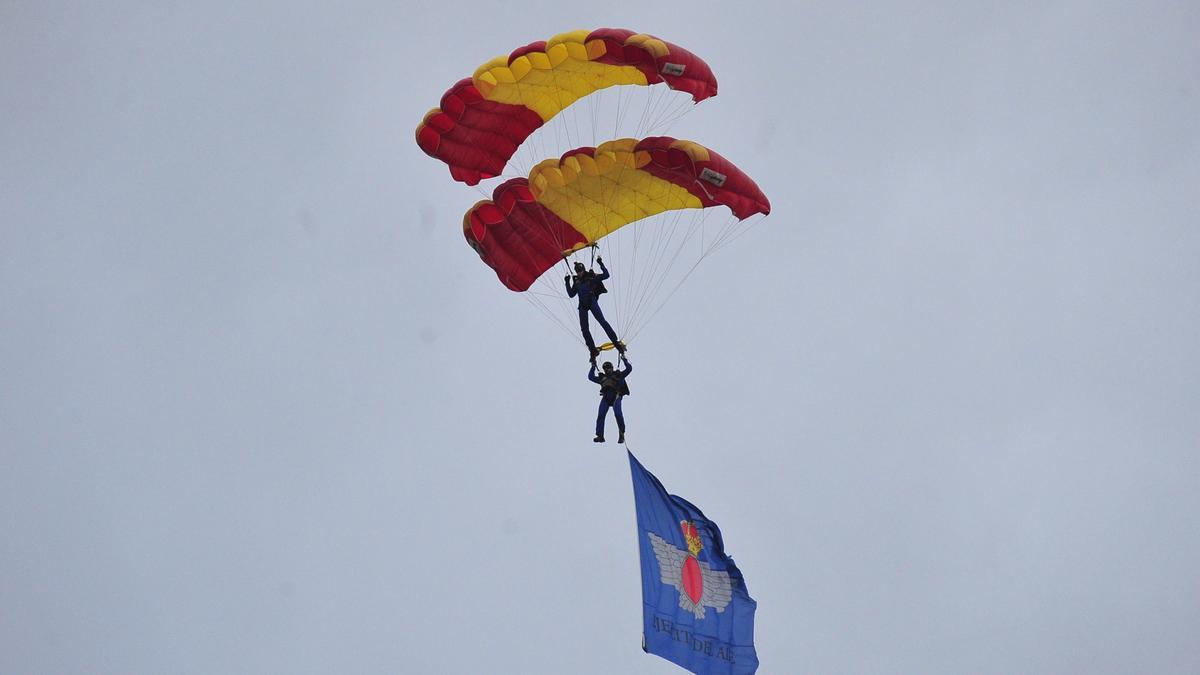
(608, 366)
(579, 269)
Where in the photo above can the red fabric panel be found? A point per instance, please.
(516, 236)
(696, 79)
(539, 46)
(739, 192)
(474, 136)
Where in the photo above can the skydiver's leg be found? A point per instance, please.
(586, 330)
(620, 417)
(604, 405)
(612, 334)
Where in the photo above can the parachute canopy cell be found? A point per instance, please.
(483, 119)
(589, 193)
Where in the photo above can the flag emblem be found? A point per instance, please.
(698, 584)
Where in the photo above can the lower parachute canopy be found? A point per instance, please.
(569, 203)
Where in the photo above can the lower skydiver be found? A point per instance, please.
(612, 389)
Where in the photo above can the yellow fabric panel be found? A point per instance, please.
(621, 152)
(539, 60)
(656, 47)
(547, 82)
(608, 158)
(598, 195)
(697, 152)
(520, 67)
(596, 49)
(557, 53)
(576, 36)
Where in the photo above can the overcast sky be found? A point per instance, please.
(263, 411)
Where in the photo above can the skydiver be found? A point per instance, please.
(588, 286)
(612, 390)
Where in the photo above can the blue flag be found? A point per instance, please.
(696, 611)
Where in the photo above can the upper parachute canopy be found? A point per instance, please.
(568, 203)
(485, 118)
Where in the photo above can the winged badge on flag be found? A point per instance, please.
(698, 584)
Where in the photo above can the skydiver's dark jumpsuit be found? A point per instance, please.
(612, 390)
(587, 287)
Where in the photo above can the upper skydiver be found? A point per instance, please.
(588, 286)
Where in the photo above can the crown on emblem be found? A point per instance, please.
(692, 536)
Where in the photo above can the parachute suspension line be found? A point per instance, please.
(640, 276)
(592, 105)
(622, 114)
(620, 290)
(644, 121)
(578, 136)
(671, 112)
(730, 218)
(556, 293)
(661, 271)
(665, 234)
(515, 161)
(665, 106)
(548, 313)
(627, 268)
(664, 264)
(609, 190)
(630, 258)
(645, 112)
(734, 233)
(697, 223)
(676, 113)
(558, 89)
(545, 293)
(655, 111)
(662, 97)
(617, 122)
(669, 295)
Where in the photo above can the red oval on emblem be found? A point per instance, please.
(693, 580)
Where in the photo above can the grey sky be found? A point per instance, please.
(262, 409)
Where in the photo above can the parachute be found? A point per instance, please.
(647, 202)
(484, 119)
(573, 202)
(567, 203)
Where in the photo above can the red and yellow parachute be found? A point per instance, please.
(589, 193)
(483, 119)
(576, 204)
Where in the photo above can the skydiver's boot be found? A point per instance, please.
(620, 347)
(594, 353)
(598, 439)
(621, 438)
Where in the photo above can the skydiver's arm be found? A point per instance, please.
(628, 368)
(603, 270)
(592, 375)
(570, 287)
